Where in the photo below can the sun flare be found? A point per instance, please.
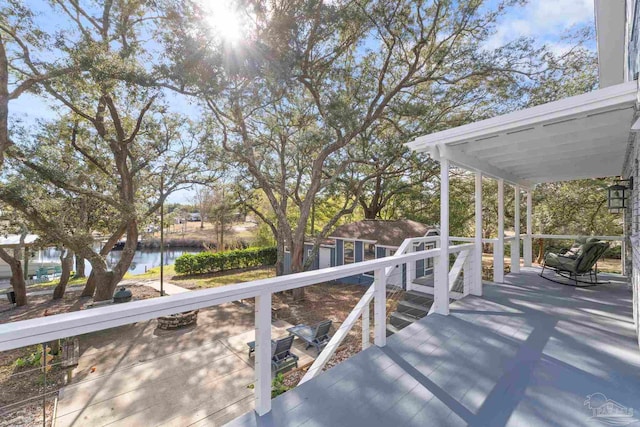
(224, 19)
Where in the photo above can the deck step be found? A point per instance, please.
(392, 330)
(401, 320)
(413, 309)
(419, 298)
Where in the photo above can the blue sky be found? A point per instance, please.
(544, 20)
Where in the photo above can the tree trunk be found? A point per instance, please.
(297, 253)
(80, 272)
(98, 263)
(17, 276)
(106, 281)
(90, 287)
(279, 257)
(66, 259)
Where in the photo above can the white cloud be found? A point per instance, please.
(544, 20)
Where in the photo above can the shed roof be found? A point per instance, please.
(383, 232)
(584, 136)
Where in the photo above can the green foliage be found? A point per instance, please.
(209, 262)
(31, 360)
(277, 386)
(264, 236)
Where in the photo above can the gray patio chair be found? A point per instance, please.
(316, 335)
(578, 263)
(282, 357)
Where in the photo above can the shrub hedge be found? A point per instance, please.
(209, 262)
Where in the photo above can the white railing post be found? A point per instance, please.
(436, 266)
(527, 249)
(411, 270)
(498, 250)
(515, 243)
(476, 288)
(441, 288)
(365, 328)
(380, 308)
(263, 353)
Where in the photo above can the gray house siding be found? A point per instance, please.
(632, 229)
(359, 251)
(339, 252)
(337, 259)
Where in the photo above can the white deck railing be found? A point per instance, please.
(45, 329)
(463, 264)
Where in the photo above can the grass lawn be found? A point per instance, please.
(202, 281)
(53, 283)
(192, 230)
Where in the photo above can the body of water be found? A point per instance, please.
(142, 260)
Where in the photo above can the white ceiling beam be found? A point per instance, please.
(592, 166)
(576, 161)
(598, 125)
(561, 150)
(475, 164)
(572, 177)
(617, 96)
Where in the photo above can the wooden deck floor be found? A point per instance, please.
(528, 353)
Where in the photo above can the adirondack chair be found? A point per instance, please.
(576, 263)
(316, 335)
(282, 357)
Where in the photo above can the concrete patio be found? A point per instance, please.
(194, 381)
(528, 353)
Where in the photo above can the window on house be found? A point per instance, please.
(369, 251)
(349, 253)
(369, 254)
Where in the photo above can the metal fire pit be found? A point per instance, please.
(123, 295)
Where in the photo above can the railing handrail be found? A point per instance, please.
(473, 239)
(43, 329)
(574, 237)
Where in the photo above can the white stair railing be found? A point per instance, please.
(407, 247)
(462, 265)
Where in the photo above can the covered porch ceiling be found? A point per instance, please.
(584, 136)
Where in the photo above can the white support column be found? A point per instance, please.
(498, 253)
(515, 246)
(263, 353)
(441, 289)
(380, 308)
(528, 247)
(476, 287)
